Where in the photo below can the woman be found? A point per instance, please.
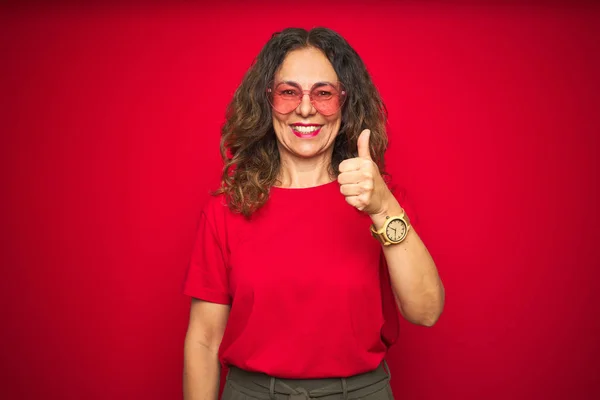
(304, 254)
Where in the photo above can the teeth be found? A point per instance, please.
(305, 129)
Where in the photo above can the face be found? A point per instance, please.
(305, 132)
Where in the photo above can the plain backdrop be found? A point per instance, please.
(110, 124)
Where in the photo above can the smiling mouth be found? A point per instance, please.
(306, 131)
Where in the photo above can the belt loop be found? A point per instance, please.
(272, 389)
(344, 389)
(387, 369)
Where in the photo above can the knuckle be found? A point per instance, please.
(366, 164)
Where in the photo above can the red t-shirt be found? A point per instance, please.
(307, 283)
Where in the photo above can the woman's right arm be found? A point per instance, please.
(201, 369)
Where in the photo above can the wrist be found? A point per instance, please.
(390, 208)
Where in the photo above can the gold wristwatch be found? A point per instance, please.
(393, 231)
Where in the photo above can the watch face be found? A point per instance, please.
(396, 230)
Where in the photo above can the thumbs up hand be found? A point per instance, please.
(360, 180)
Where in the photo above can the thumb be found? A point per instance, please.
(363, 144)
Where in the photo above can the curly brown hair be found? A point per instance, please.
(248, 142)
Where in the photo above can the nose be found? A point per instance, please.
(305, 108)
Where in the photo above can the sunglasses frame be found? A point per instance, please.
(342, 94)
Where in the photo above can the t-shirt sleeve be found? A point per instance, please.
(207, 276)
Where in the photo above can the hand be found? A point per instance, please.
(361, 182)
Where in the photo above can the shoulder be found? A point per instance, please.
(217, 213)
(215, 204)
(215, 209)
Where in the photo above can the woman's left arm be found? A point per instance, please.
(415, 281)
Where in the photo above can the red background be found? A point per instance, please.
(109, 145)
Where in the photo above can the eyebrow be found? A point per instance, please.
(293, 83)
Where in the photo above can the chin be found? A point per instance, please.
(308, 150)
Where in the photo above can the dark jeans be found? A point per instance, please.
(243, 385)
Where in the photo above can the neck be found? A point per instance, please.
(301, 173)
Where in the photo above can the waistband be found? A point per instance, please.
(266, 387)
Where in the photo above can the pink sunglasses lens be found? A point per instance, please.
(327, 98)
(285, 98)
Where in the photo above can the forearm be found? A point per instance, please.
(414, 276)
(201, 371)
